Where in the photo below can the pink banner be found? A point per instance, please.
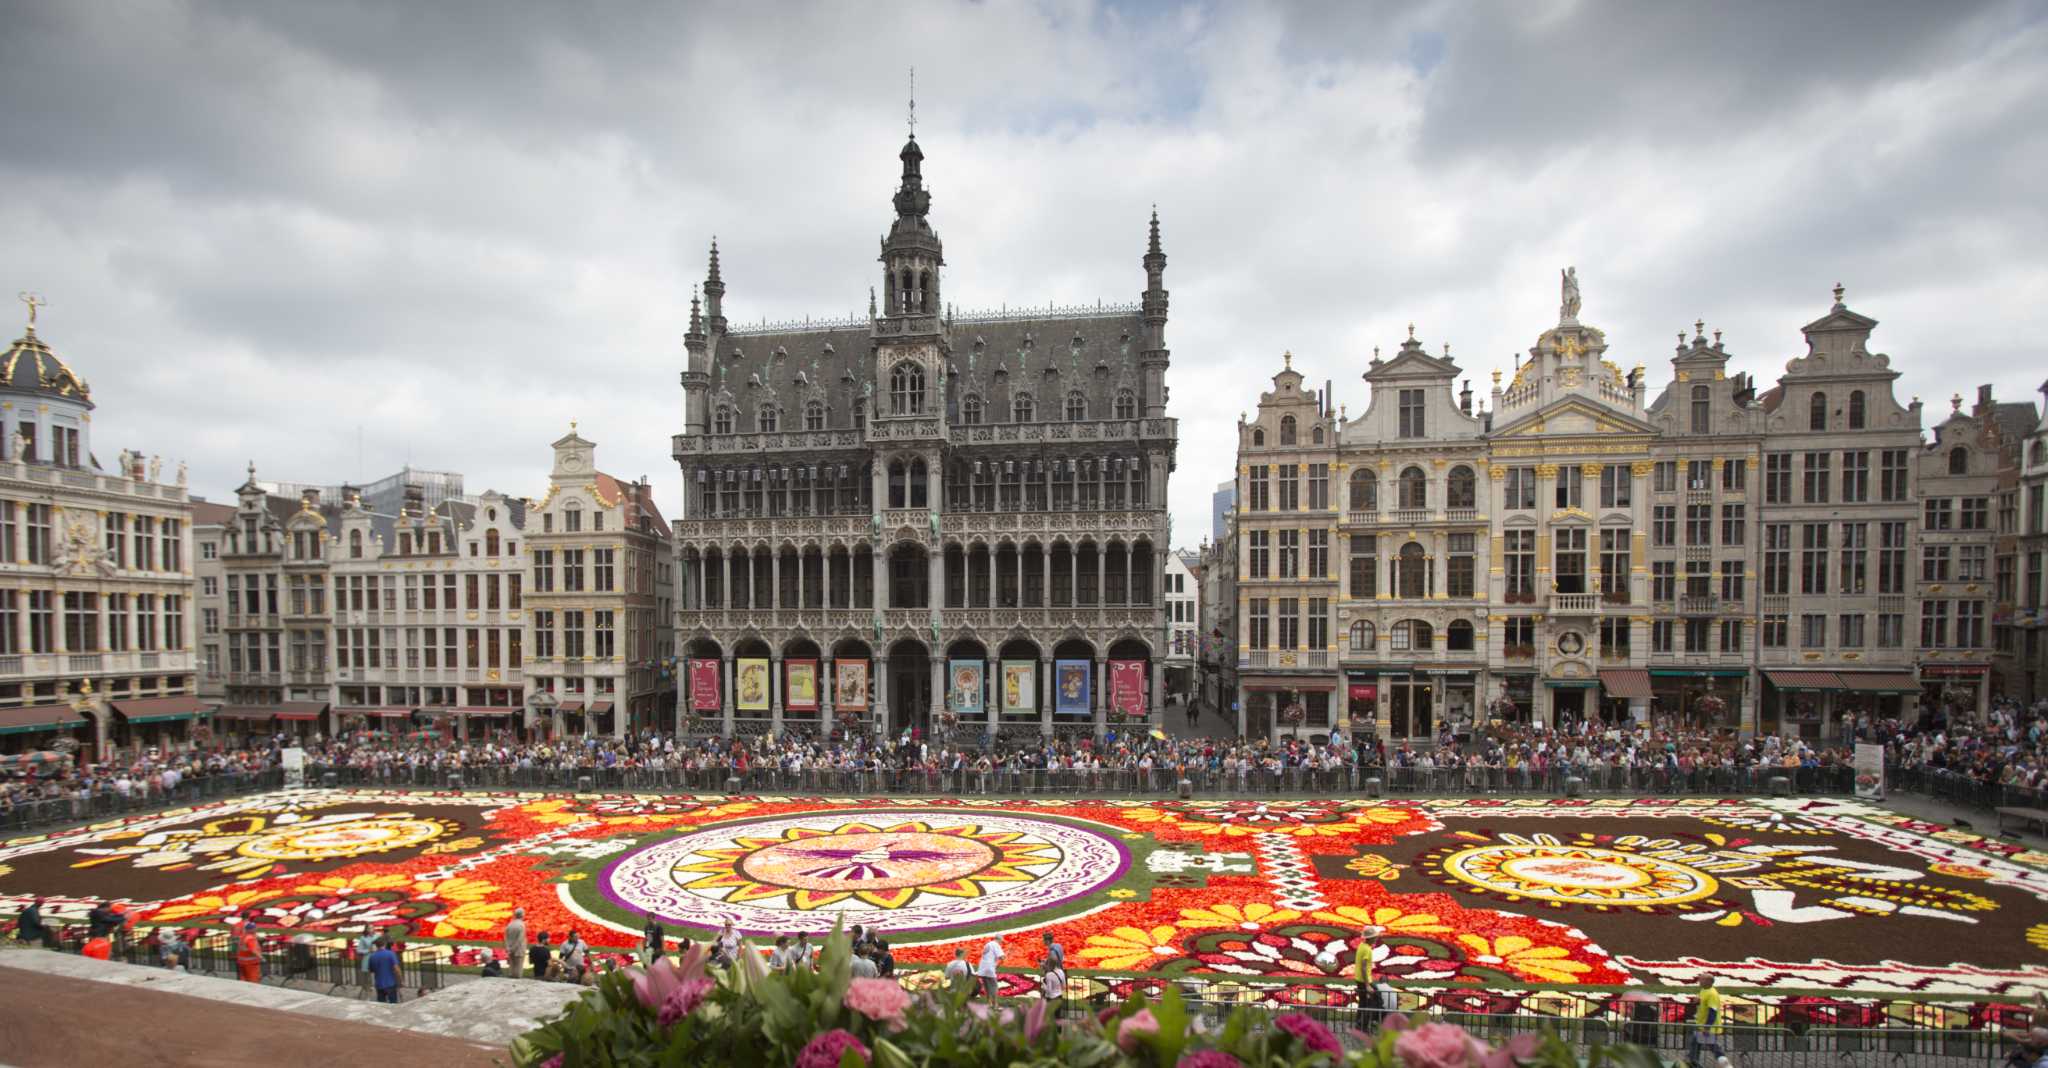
(1127, 687)
(704, 689)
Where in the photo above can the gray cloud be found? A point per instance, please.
(451, 228)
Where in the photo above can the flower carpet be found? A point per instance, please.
(1556, 895)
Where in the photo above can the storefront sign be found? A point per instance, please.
(964, 686)
(1073, 687)
(1363, 695)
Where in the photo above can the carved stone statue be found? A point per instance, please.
(1569, 311)
(156, 468)
(21, 443)
(123, 461)
(181, 474)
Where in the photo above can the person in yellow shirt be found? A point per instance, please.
(1706, 1025)
(1367, 995)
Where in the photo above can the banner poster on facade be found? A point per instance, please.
(800, 685)
(752, 686)
(963, 687)
(1074, 687)
(1869, 770)
(704, 690)
(293, 760)
(1020, 686)
(1127, 687)
(849, 685)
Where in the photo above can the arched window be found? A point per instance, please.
(1702, 410)
(1021, 409)
(1077, 406)
(766, 420)
(906, 389)
(1414, 488)
(1458, 636)
(490, 543)
(970, 410)
(1462, 490)
(1959, 461)
(814, 415)
(1412, 571)
(1362, 638)
(1315, 435)
(355, 544)
(1856, 413)
(1410, 634)
(722, 422)
(897, 484)
(917, 484)
(1258, 437)
(1286, 430)
(1817, 412)
(1365, 491)
(1126, 404)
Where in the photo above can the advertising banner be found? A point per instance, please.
(1869, 770)
(752, 686)
(849, 685)
(704, 690)
(1127, 687)
(963, 687)
(1020, 687)
(800, 685)
(1074, 687)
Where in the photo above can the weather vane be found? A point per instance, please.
(33, 301)
(913, 101)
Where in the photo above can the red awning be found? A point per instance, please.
(571, 706)
(1804, 680)
(1880, 682)
(600, 706)
(38, 718)
(301, 710)
(159, 709)
(485, 710)
(1626, 682)
(252, 712)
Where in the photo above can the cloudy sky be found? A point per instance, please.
(442, 231)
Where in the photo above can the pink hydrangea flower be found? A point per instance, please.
(1208, 1058)
(1313, 1036)
(1136, 1026)
(881, 1000)
(1438, 1045)
(825, 1050)
(552, 1062)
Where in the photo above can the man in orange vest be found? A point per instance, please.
(248, 958)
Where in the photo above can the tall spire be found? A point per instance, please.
(913, 103)
(1153, 248)
(714, 293)
(696, 314)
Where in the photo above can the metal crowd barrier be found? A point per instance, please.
(423, 968)
(26, 816)
(1961, 789)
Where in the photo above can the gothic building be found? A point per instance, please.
(924, 518)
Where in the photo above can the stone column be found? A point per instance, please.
(880, 565)
(937, 704)
(1051, 688)
(992, 691)
(726, 709)
(878, 675)
(1098, 695)
(1153, 704)
(775, 694)
(1130, 575)
(1045, 562)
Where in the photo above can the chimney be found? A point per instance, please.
(309, 499)
(1465, 398)
(1984, 398)
(415, 500)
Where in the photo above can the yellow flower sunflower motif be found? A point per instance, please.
(1243, 917)
(458, 845)
(1381, 816)
(213, 904)
(1131, 948)
(344, 885)
(1960, 871)
(1373, 866)
(2037, 936)
(6, 870)
(1548, 964)
(1123, 894)
(575, 877)
(1392, 919)
(1150, 815)
(471, 917)
(552, 812)
(455, 888)
(728, 810)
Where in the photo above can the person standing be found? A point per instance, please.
(1367, 995)
(30, 926)
(728, 944)
(991, 955)
(958, 975)
(537, 956)
(384, 972)
(248, 957)
(802, 955)
(652, 940)
(366, 944)
(515, 943)
(1706, 1024)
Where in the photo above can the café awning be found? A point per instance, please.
(1879, 682)
(1804, 681)
(159, 709)
(486, 710)
(248, 712)
(600, 706)
(301, 710)
(1626, 682)
(39, 718)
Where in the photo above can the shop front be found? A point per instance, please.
(1362, 703)
(1958, 692)
(38, 728)
(1701, 699)
(1516, 702)
(163, 722)
(1296, 705)
(1572, 700)
(1625, 695)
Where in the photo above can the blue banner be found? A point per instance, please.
(1073, 689)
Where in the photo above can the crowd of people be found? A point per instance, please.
(147, 778)
(2009, 748)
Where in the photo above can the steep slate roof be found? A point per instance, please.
(638, 503)
(2015, 419)
(209, 514)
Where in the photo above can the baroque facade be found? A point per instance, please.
(1579, 550)
(2025, 656)
(924, 519)
(95, 580)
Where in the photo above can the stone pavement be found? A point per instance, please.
(69, 1010)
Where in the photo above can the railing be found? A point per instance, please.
(1691, 604)
(10, 665)
(150, 660)
(83, 662)
(287, 958)
(1774, 604)
(1575, 603)
(1411, 515)
(1285, 658)
(1462, 515)
(20, 816)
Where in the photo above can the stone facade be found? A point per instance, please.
(2024, 660)
(918, 515)
(96, 633)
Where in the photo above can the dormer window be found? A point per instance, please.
(1411, 413)
(1856, 410)
(572, 518)
(355, 545)
(1702, 410)
(1126, 404)
(722, 422)
(1258, 437)
(1959, 461)
(1077, 406)
(1287, 430)
(814, 415)
(970, 410)
(765, 420)
(1022, 410)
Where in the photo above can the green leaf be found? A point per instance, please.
(890, 1055)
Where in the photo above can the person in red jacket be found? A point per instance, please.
(248, 957)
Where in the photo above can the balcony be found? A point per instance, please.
(1285, 659)
(10, 665)
(1695, 495)
(1462, 515)
(84, 662)
(1575, 604)
(1698, 604)
(1411, 515)
(1778, 604)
